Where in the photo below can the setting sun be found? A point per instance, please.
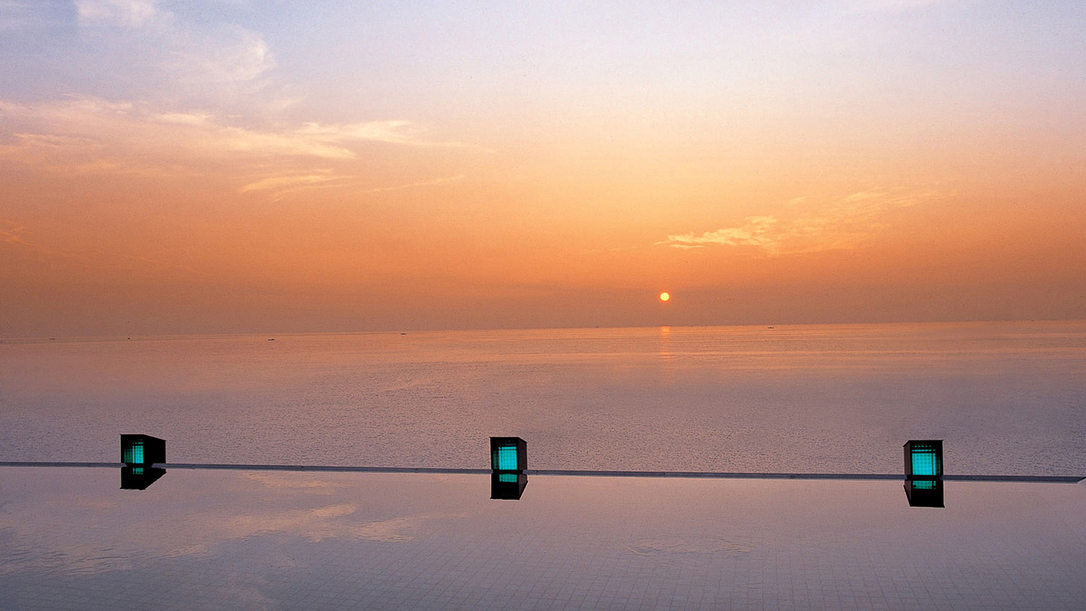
(665, 296)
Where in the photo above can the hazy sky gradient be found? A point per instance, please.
(233, 165)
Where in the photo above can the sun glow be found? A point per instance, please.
(665, 296)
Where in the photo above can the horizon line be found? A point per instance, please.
(403, 331)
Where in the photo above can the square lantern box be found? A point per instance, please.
(138, 453)
(508, 463)
(142, 450)
(924, 472)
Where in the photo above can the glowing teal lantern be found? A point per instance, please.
(139, 453)
(142, 450)
(924, 472)
(508, 464)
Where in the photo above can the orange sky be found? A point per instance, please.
(174, 167)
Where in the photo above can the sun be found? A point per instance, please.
(665, 296)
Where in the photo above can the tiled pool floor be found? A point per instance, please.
(70, 539)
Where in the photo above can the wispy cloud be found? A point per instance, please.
(93, 136)
(290, 181)
(125, 13)
(393, 132)
(283, 186)
(844, 223)
(756, 231)
(223, 56)
(77, 130)
(410, 185)
(179, 58)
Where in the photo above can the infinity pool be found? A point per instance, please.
(197, 539)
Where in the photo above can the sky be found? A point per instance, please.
(234, 166)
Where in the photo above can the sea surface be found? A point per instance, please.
(1007, 398)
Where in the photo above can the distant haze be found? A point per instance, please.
(220, 167)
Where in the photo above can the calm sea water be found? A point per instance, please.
(1008, 398)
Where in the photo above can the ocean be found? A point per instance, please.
(1007, 398)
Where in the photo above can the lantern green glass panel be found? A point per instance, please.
(508, 454)
(924, 458)
(142, 450)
